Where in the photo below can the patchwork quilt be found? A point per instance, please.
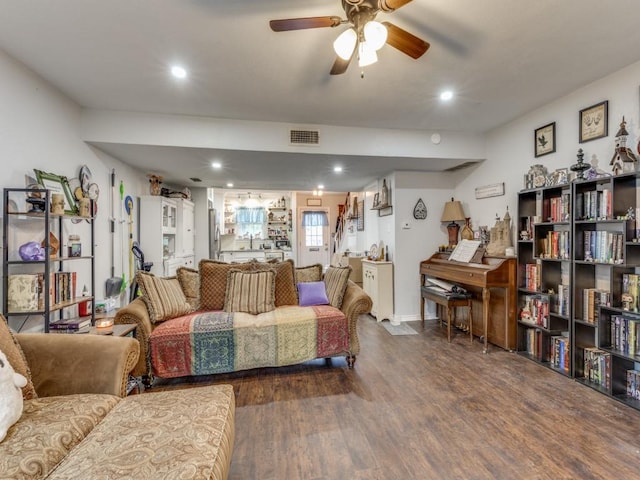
(203, 343)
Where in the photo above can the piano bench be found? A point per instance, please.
(450, 303)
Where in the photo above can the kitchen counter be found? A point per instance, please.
(250, 254)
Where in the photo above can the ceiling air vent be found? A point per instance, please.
(304, 137)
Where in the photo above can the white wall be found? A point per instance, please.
(39, 129)
(510, 150)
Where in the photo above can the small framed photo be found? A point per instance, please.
(594, 122)
(545, 139)
(58, 184)
(561, 176)
(314, 202)
(376, 199)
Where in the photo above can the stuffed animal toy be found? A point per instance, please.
(11, 404)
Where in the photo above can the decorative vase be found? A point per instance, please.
(467, 232)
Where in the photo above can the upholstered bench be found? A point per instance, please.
(165, 435)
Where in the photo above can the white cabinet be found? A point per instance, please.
(185, 226)
(377, 281)
(167, 233)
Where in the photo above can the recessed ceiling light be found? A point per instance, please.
(446, 95)
(229, 185)
(216, 165)
(178, 72)
(320, 187)
(337, 169)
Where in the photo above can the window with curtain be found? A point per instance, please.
(314, 223)
(250, 220)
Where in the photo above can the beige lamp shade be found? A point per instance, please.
(453, 212)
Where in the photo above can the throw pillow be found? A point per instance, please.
(310, 273)
(11, 402)
(163, 296)
(250, 292)
(286, 292)
(11, 348)
(190, 283)
(336, 279)
(213, 282)
(312, 293)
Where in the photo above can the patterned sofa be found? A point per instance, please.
(77, 425)
(227, 317)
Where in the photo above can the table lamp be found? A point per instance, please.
(453, 212)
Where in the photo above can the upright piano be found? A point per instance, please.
(493, 285)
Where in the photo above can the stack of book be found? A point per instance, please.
(71, 325)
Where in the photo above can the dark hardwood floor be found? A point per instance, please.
(416, 407)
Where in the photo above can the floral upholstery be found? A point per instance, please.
(47, 431)
(165, 435)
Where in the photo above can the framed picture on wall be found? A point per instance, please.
(314, 202)
(545, 139)
(594, 122)
(361, 215)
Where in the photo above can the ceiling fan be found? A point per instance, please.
(364, 37)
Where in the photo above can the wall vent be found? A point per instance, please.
(304, 137)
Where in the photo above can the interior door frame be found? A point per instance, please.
(300, 236)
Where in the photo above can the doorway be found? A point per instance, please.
(313, 239)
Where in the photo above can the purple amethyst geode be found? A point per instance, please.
(31, 251)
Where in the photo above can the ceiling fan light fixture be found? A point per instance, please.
(375, 34)
(345, 43)
(366, 54)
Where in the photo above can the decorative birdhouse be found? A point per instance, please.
(623, 160)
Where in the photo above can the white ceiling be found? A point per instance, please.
(503, 58)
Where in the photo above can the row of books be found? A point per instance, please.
(594, 205)
(592, 298)
(26, 291)
(556, 245)
(557, 209)
(633, 384)
(560, 352)
(603, 246)
(597, 366)
(630, 287)
(554, 349)
(625, 334)
(531, 276)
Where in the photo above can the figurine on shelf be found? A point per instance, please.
(623, 160)
(500, 236)
(580, 166)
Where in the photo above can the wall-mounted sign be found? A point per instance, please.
(420, 210)
(494, 190)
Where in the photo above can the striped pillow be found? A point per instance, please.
(164, 297)
(336, 280)
(250, 292)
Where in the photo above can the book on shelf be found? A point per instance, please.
(597, 366)
(592, 298)
(71, 324)
(633, 384)
(625, 334)
(630, 290)
(560, 349)
(22, 293)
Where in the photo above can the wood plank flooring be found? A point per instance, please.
(416, 407)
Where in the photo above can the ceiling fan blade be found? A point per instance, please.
(405, 42)
(340, 65)
(303, 23)
(391, 5)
